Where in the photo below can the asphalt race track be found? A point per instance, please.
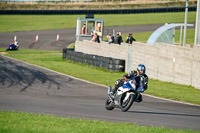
(47, 38)
(33, 89)
(28, 88)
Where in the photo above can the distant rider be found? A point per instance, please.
(16, 44)
(13, 46)
(139, 76)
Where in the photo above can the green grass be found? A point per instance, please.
(143, 36)
(16, 122)
(140, 37)
(53, 60)
(29, 123)
(36, 22)
(9, 23)
(150, 18)
(189, 36)
(96, 5)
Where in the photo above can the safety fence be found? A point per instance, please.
(139, 2)
(108, 63)
(122, 11)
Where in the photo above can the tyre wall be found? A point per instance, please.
(164, 62)
(108, 63)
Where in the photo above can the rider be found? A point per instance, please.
(139, 76)
(16, 43)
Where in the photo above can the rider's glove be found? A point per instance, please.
(134, 73)
(125, 78)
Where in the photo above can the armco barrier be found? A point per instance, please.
(113, 11)
(110, 64)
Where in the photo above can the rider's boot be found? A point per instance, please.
(111, 95)
(118, 83)
(139, 98)
(112, 92)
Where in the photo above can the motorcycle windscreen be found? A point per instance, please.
(129, 85)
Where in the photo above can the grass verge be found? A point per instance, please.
(94, 4)
(143, 36)
(53, 60)
(28, 123)
(9, 23)
(13, 122)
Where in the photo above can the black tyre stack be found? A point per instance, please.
(111, 64)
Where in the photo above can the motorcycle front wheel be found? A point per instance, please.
(125, 105)
(109, 104)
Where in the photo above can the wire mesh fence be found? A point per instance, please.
(133, 1)
(90, 4)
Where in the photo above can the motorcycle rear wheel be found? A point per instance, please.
(109, 104)
(125, 106)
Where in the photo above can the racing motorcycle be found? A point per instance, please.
(123, 97)
(13, 46)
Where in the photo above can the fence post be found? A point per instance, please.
(129, 61)
(113, 32)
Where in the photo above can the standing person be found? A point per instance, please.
(97, 38)
(109, 37)
(93, 37)
(138, 76)
(116, 38)
(130, 38)
(83, 29)
(120, 40)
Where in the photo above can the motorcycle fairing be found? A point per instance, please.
(129, 85)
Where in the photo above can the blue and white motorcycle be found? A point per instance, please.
(13, 46)
(123, 97)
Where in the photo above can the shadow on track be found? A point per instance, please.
(13, 74)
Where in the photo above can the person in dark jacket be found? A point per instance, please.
(130, 38)
(118, 38)
(97, 38)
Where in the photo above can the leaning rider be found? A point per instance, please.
(139, 76)
(16, 44)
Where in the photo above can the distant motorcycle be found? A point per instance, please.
(123, 97)
(13, 46)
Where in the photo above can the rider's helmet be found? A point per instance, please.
(141, 69)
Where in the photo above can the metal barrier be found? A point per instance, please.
(122, 11)
(110, 64)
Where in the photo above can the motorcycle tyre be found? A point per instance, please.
(127, 107)
(109, 104)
